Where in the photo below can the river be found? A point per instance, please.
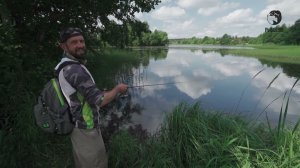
(239, 85)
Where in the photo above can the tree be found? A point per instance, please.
(156, 38)
(225, 40)
(135, 30)
(281, 34)
(208, 40)
(295, 32)
(42, 19)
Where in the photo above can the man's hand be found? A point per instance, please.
(110, 95)
(122, 88)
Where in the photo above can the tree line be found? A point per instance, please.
(132, 33)
(282, 35)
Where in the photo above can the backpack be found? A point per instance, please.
(52, 113)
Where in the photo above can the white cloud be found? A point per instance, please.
(161, 71)
(112, 18)
(290, 10)
(177, 28)
(206, 32)
(209, 19)
(240, 22)
(218, 8)
(165, 1)
(167, 13)
(277, 88)
(139, 15)
(238, 16)
(197, 3)
(187, 23)
(227, 69)
(273, 1)
(193, 89)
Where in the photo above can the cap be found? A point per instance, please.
(68, 33)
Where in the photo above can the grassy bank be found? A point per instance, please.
(192, 137)
(275, 53)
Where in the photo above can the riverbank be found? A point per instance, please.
(192, 137)
(274, 53)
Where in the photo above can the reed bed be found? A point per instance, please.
(193, 137)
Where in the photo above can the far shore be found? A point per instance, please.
(275, 53)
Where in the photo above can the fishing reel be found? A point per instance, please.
(119, 104)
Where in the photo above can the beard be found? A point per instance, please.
(78, 53)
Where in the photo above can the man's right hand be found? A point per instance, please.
(110, 95)
(122, 88)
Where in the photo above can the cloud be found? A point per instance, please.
(165, 1)
(178, 28)
(139, 15)
(206, 32)
(278, 87)
(167, 13)
(197, 3)
(289, 8)
(240, 22)
(238, 16)
(161, 71)
(193, 89)
(209, 18)
(218, 8)
(112, 18)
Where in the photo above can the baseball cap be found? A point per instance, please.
(69, 32)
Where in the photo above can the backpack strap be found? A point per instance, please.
(62, 65)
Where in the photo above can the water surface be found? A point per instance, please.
(225, 83)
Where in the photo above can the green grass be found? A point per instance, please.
(192, 137)
(275, 53)
(25, 145)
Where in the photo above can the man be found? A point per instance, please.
(85, 100)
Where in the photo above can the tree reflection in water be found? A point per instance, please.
(117, 115)
(129, 67)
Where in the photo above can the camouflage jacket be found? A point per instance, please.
(81, 93)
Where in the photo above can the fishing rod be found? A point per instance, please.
(137, 86)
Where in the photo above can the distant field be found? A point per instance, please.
(276, 53)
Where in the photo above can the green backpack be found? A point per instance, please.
(52, 113)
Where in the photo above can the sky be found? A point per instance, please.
(214, 18)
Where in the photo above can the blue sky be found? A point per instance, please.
(214, 18)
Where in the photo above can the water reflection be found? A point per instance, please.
(222, 83)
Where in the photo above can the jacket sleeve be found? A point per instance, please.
(79, 79)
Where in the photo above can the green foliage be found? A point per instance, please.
(40, 21)
(294, 35)
(113, 61)
(191, 137)
(10, 73)
(134, 33)
(270, 53)
(225, 40)
(28, 53)
(23, 72)
(281, 35)
(157, 38)
(128, 156)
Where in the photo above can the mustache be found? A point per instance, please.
(78, 49)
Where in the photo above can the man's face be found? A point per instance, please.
(75, 46)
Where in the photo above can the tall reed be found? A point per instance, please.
(192, 137)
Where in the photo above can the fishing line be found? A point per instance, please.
(138, 86)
